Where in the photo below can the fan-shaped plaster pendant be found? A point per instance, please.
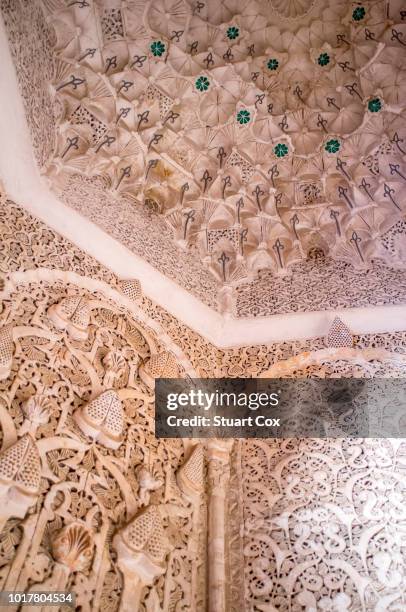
(73, 314)
(339, 335)
(6, 351)
(103, 419)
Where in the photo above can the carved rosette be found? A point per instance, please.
(73, 547)
(162, 365)
(73, 315)
(103, 419)
(6, 351)
(20, 477)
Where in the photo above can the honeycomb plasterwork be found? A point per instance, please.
(256, 131)
(28, 244)
(125, 525)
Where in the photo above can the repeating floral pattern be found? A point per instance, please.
(87, 492)
(85, 486)
(324, 524)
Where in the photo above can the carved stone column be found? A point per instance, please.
(218, 454)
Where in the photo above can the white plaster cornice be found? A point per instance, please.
(24, 184)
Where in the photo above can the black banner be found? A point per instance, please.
(280, 408)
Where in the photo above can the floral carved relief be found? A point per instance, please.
(92, 502)
(89, 496)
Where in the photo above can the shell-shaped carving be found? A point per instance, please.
(339, 335)
(37, 409)
(114, 362)
(73, 314)
(145, 533)
(162, 365)
(131, 288)
(73, 546)
(103, 419)
(190, 476)
(6, 350)
(20, 466)
(115, 365)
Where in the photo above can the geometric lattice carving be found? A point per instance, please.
(141, 550)
(291, 492)
(72, 314)
(102, 419)
(162, 365)
(20, 476)
(131, 288)
(339, 335)
(145, 533)
(190, 476)
(6, 350)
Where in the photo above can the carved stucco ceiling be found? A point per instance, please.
(259, 130)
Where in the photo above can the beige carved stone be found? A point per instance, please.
(115, 365)
(37, 411)
(190, 477)
(131, 288)
(218, 452)
(141, 547)
(73, 547)
(162, 365)
(288, 132)
(72, 314)
(147, 483)
(20, 476)
(339, 335)
(260, 508)
(102, 419)
(6, 350)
